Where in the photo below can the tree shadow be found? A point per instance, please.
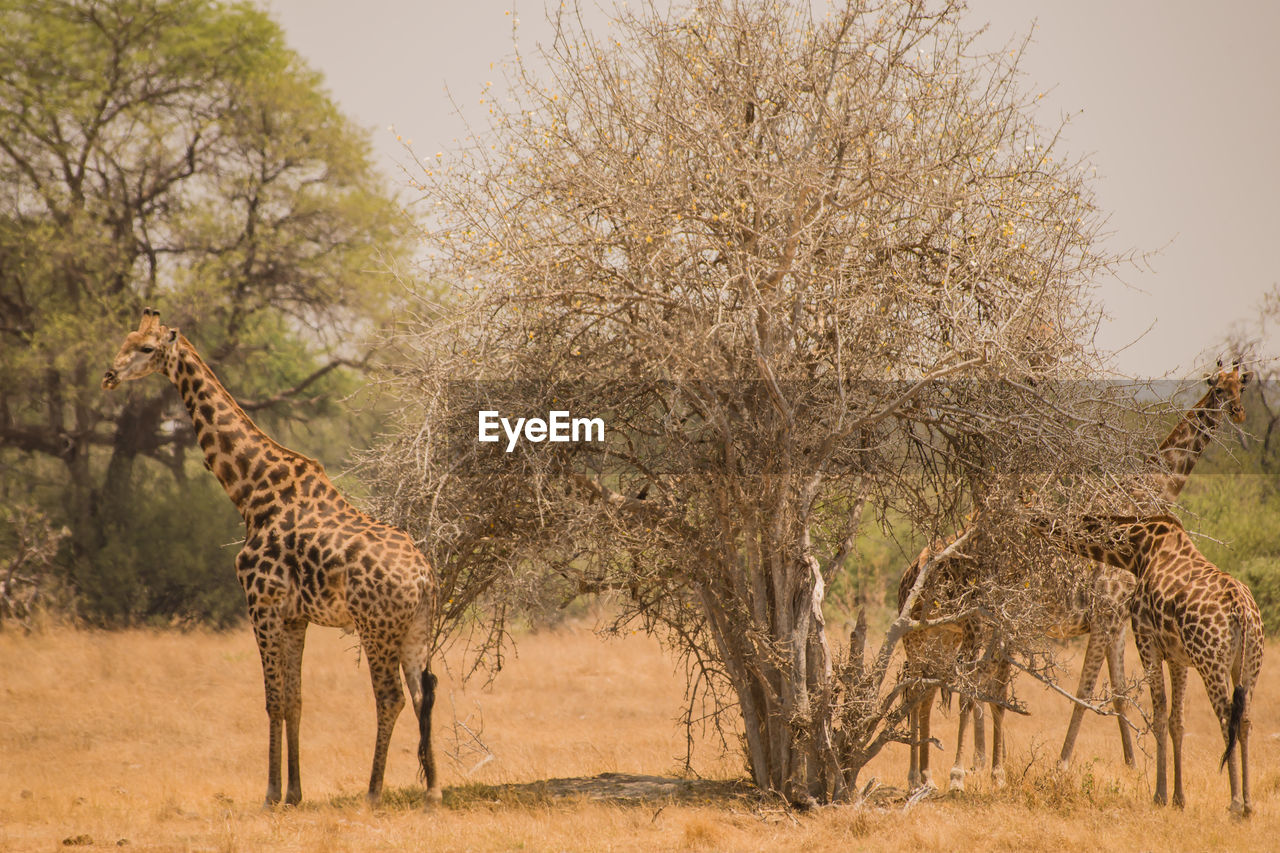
(622, 789)
(611, 788)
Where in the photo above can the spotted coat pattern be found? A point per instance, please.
(964, 650)
(1100, 609)
(1186, 612)
(309, 556)
(1177, 455)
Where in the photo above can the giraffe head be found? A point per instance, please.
(143, 351)
(1226, 386)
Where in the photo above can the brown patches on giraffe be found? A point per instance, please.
(1177, 455)
(933, 657)
(1102, 614)
(308, 557)
(1186, 612)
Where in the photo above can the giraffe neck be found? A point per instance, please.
(1128, 543)
(253, 469)
(1179, 452)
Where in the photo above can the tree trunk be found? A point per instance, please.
(808, 728)
(783, 686)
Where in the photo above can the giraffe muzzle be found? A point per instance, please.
(110, 380)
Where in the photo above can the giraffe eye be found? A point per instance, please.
(147, 349)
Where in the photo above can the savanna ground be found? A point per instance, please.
(154, 740)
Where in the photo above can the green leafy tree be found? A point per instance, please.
(171, 153)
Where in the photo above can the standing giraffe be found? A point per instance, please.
(1186, 611)
(1100, 611)
(308, 557)
(1103, 618)
(1181, 449)
(935, 654)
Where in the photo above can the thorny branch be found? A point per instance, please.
(802, 268)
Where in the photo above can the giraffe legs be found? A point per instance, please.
(975, 710)
(1002, 680)
(415, 658)
(1154, 667)
(971, 707)
(1246, 807)
(1177, 692)
(1094, 653)
(1115, 674)
(979, 736)
(913, 746)
(384, 670)
(280, 644)
(968, 707)
(918, 729)
(1108, 645)
(1218, 686)
(926, 738)
(1246, 724)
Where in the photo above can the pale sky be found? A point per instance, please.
(1177, 103)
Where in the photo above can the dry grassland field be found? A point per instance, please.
(146, 740)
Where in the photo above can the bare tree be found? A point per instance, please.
(800, 266)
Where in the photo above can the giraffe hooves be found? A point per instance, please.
(997, 776)
(956, 782)
(1160, 799)
(275, 803)
(1240, 810)
(435, 799)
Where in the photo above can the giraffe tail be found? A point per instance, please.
(1233, 724)
(426, 757)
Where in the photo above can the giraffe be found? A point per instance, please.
(308, 557)
(1186, 612)
(1100, 609)
(935, 654)
(1102, 616)
(1178, 453)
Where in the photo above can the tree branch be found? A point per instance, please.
(315, 376)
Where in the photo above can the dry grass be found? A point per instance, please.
(156, 741)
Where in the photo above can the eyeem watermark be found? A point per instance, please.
(558, 426)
